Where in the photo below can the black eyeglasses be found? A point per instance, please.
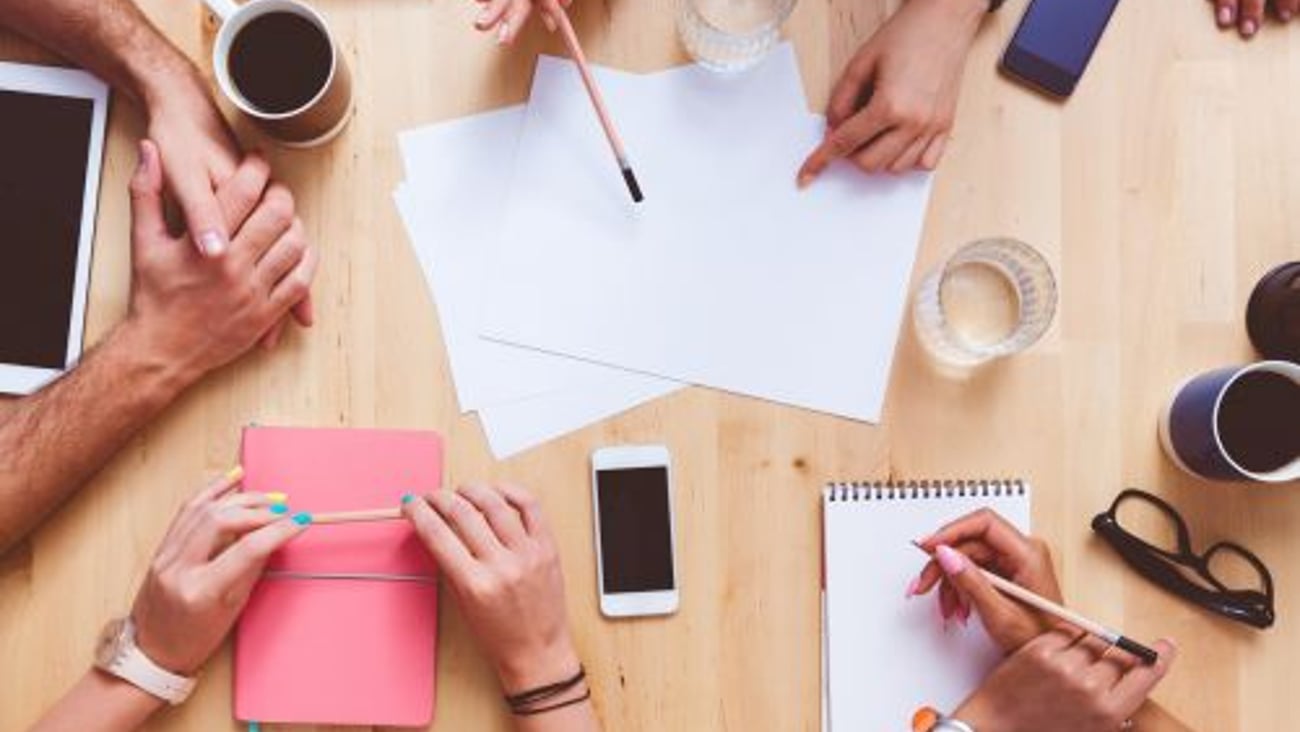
(1177, 569)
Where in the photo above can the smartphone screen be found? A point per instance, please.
(635, 530)
(1055, 41)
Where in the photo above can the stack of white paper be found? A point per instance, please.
(563, 303)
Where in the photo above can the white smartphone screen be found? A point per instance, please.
(635, 530)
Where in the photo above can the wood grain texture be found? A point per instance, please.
(1160, 193)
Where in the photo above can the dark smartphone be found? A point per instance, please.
(1055, 41)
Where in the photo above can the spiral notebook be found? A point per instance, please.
(885, 655)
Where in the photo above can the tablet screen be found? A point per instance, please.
(44, 151)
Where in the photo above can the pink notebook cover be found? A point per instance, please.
(341, 651)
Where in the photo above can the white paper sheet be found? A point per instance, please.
(727, 276)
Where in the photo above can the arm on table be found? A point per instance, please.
(102, 703)
(189, 315)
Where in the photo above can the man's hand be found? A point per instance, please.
(197, 313)
(506, 18)
(894, 105)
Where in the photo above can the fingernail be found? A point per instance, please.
(1225, 15)
(1285, 15)
(139, 167)
(1248, 28)
(277, 497)
(503, 32)
(963, 614)
(280, 509)
(407, 498)
(235, 474)
(302, 519)
(254, 727)
(952, 561)
(212, 243)
(912, 587)
(484, 16)
(805, 180)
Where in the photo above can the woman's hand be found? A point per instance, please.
(894, 105)
(1064, 681)
(1248, 15)
(207, 565)
(989, 541)
(506, 18)
(496, 554)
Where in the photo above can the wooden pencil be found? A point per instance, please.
(350, 517)
(1044, 605)
(597, 99)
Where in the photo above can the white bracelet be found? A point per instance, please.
(948, 724)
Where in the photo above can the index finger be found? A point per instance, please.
(449, 553)
(235, 570)
(983, 525)
(842, 141)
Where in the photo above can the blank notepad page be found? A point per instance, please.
(888, 655)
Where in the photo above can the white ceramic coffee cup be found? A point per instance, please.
(318, 121)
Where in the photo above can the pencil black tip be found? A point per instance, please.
(633, 186)
(1144, 654)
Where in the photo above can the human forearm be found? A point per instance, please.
(99, 703)
(54, 441)
(112, 38)
(580, 717)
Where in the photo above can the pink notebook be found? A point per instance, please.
(342, 628)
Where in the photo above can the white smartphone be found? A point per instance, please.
(636, 569)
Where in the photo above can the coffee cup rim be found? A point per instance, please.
(225, 38)
(1284, 474)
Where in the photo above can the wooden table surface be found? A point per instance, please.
(1159, 193)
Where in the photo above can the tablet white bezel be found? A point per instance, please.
(59, 82)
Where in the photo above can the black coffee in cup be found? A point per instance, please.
(280, 61)
(1259, 421)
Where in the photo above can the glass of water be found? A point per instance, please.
(731, 35)
(993, 298)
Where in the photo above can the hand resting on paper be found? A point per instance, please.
(198, 582)
(1054, 677)
(893, 106)
(506, 18)
(496, 555)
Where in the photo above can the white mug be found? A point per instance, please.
(313, 122)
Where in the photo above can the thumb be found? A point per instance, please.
(1010, 625)
(148, 222)
(204, 218)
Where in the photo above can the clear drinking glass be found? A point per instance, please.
(731, 35)
(993, 298)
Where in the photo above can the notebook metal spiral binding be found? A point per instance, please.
(861, 491)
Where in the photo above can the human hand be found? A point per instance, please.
(893, 106)
(1248, 15)
(199, 154)
(496, 554)
(507, 17)
(205, 569)
(198, 313)
(1064, 682)
(988, 540)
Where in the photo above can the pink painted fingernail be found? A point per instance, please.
(1248, 28)
(963, 614)
(912, 587)
(1225, 15)
(1285, 15)
(952, 561)
(503, 33)
(212, 243)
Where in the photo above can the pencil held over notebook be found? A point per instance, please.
(1042, 604)
(597, 99)
(351, 517)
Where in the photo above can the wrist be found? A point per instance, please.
(967, 15)
(978, 715)
(538, 668)
(124, 692)
(151, 370)
(169, 82)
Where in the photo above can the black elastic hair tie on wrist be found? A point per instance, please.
(520, 702)
(561, 705)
